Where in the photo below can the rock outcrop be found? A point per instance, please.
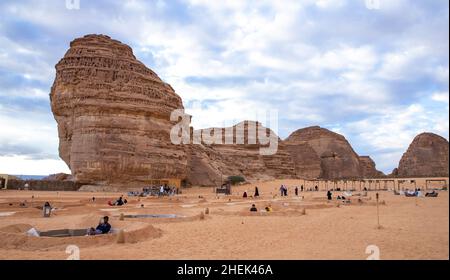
(58, 177)
(368, 168)
(113, 116)
(427, 155)
(337, 157)
(209, 164)
(307, 163)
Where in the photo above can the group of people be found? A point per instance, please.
(167, 190)
(267, 208)
(161, 190)
(283, 190)
(119, 202)
(256, 194)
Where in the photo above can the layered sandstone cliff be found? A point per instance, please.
(210, 163)
(427, 155)
(368, 168)
(113, 115)
(335, 158)
(307, 163)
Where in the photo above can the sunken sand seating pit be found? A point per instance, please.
(199, 224)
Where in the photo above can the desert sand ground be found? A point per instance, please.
(303, 227)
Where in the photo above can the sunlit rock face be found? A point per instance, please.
(113, 116)
(427, 155)
(337, 158)
(368, 168)
(211, 164)
(306, 161)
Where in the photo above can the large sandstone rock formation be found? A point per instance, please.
(335, 158)
(307, 163)
(113, 116)
(427, 155)
(209, 164)
(368, 168)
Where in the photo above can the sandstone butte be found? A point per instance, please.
(113, 116)
(321, 153)
(211, 164)
(427, 156)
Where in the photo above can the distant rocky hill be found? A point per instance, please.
(427, 155)
(58, 177)
(334, 157)
(209, 164)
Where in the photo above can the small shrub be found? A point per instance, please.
(236, 179)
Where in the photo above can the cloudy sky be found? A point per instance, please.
(375, 71)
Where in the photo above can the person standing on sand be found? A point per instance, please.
(244, 195)
(329, 194)
(282, 190)
(256, 192)
(296, 191)
(301, 188)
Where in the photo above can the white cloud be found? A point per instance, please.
(404, 64)
(390, 133)
(22, 165)
(440, 96)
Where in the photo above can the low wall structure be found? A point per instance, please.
(42, 185)
(376, 184)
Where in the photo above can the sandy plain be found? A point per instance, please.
(300, 227)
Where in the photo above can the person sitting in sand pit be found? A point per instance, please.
(269, 208)
(102, 228)
(120, 201)
(431, 194)
(244, 195)
(253, 209)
